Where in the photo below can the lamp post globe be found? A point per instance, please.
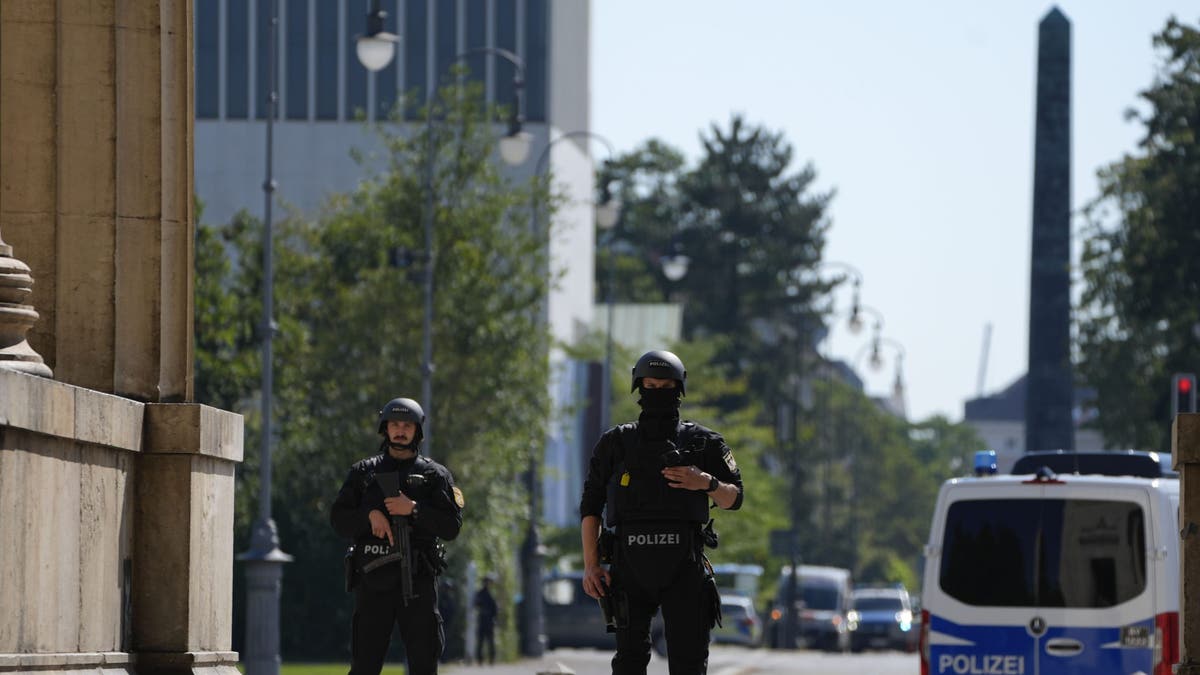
(514, 147)
(375, 52)
(675, 267)
(377, 47)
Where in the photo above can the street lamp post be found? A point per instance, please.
(533, 623)
(607, 213)
(514, 148)
(876, 362)
(264, 561)
(609, 303)
(375, 50)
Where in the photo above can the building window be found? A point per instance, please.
(327, 60)
(537, 28)
(297, 59)
(446, 39)
(237, 59)
(385, 80)
(356, 75)
(208, 63)
(262, 55)
(506, 38)
(416, 20)
(477, 34)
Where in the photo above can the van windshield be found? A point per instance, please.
(1044, 552)
(822, 597)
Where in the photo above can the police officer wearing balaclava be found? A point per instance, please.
(657, 477)
(429, 504)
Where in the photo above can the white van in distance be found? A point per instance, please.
(1068, 565)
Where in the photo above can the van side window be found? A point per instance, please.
(1044, 552)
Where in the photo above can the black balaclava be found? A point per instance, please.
(659, 420)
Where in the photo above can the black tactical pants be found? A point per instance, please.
(375, 612)
(686, 619)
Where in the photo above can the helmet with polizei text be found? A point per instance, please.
(404, 410)
(660, 364)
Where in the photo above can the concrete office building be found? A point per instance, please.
(324, 92)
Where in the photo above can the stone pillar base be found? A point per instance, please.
(187, 663)
(120, 663)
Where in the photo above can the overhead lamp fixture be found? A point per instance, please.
(377, 48)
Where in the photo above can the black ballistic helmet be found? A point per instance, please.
(403, 409)
(661, 364)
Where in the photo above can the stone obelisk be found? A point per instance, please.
(1049, 398)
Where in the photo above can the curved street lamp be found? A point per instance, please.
(608, 212)
(514, 148)
(533, 637)
(854, 322)
(876, 360)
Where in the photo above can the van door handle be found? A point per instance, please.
(1063, 647)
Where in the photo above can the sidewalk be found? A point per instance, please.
(547, 664)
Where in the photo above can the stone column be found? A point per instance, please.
(1185, 454)
(184, 532)
(96, 165)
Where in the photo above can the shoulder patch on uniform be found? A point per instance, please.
(458, 497)
(730, 461)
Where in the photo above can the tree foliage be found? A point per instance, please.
(752, 229)
(348, 295)
(755, 300)
(1138, 319)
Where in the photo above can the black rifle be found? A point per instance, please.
(402, 551)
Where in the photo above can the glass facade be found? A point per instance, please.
(319, 74)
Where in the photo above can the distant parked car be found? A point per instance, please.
(740, 624)
(574, 619)
(885, 620)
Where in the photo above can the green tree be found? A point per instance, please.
(753, 231)
(753, 306)
(349, 338)
(1137, 320)
(646, 181)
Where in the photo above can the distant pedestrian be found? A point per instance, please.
(485, 622)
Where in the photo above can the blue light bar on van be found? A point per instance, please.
(985, 463)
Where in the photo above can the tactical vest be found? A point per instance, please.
(418, 484)
(637, 491)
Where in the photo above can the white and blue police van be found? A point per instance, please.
(1070, 564)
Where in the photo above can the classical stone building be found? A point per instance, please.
(116, 491)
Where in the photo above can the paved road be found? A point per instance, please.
(722, 661)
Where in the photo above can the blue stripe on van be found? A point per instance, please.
(1010, 650)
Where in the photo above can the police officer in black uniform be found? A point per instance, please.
(657, 476)
(431, 506)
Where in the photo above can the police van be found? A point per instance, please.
(1070, 564)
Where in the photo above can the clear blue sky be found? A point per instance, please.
(920, 116)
